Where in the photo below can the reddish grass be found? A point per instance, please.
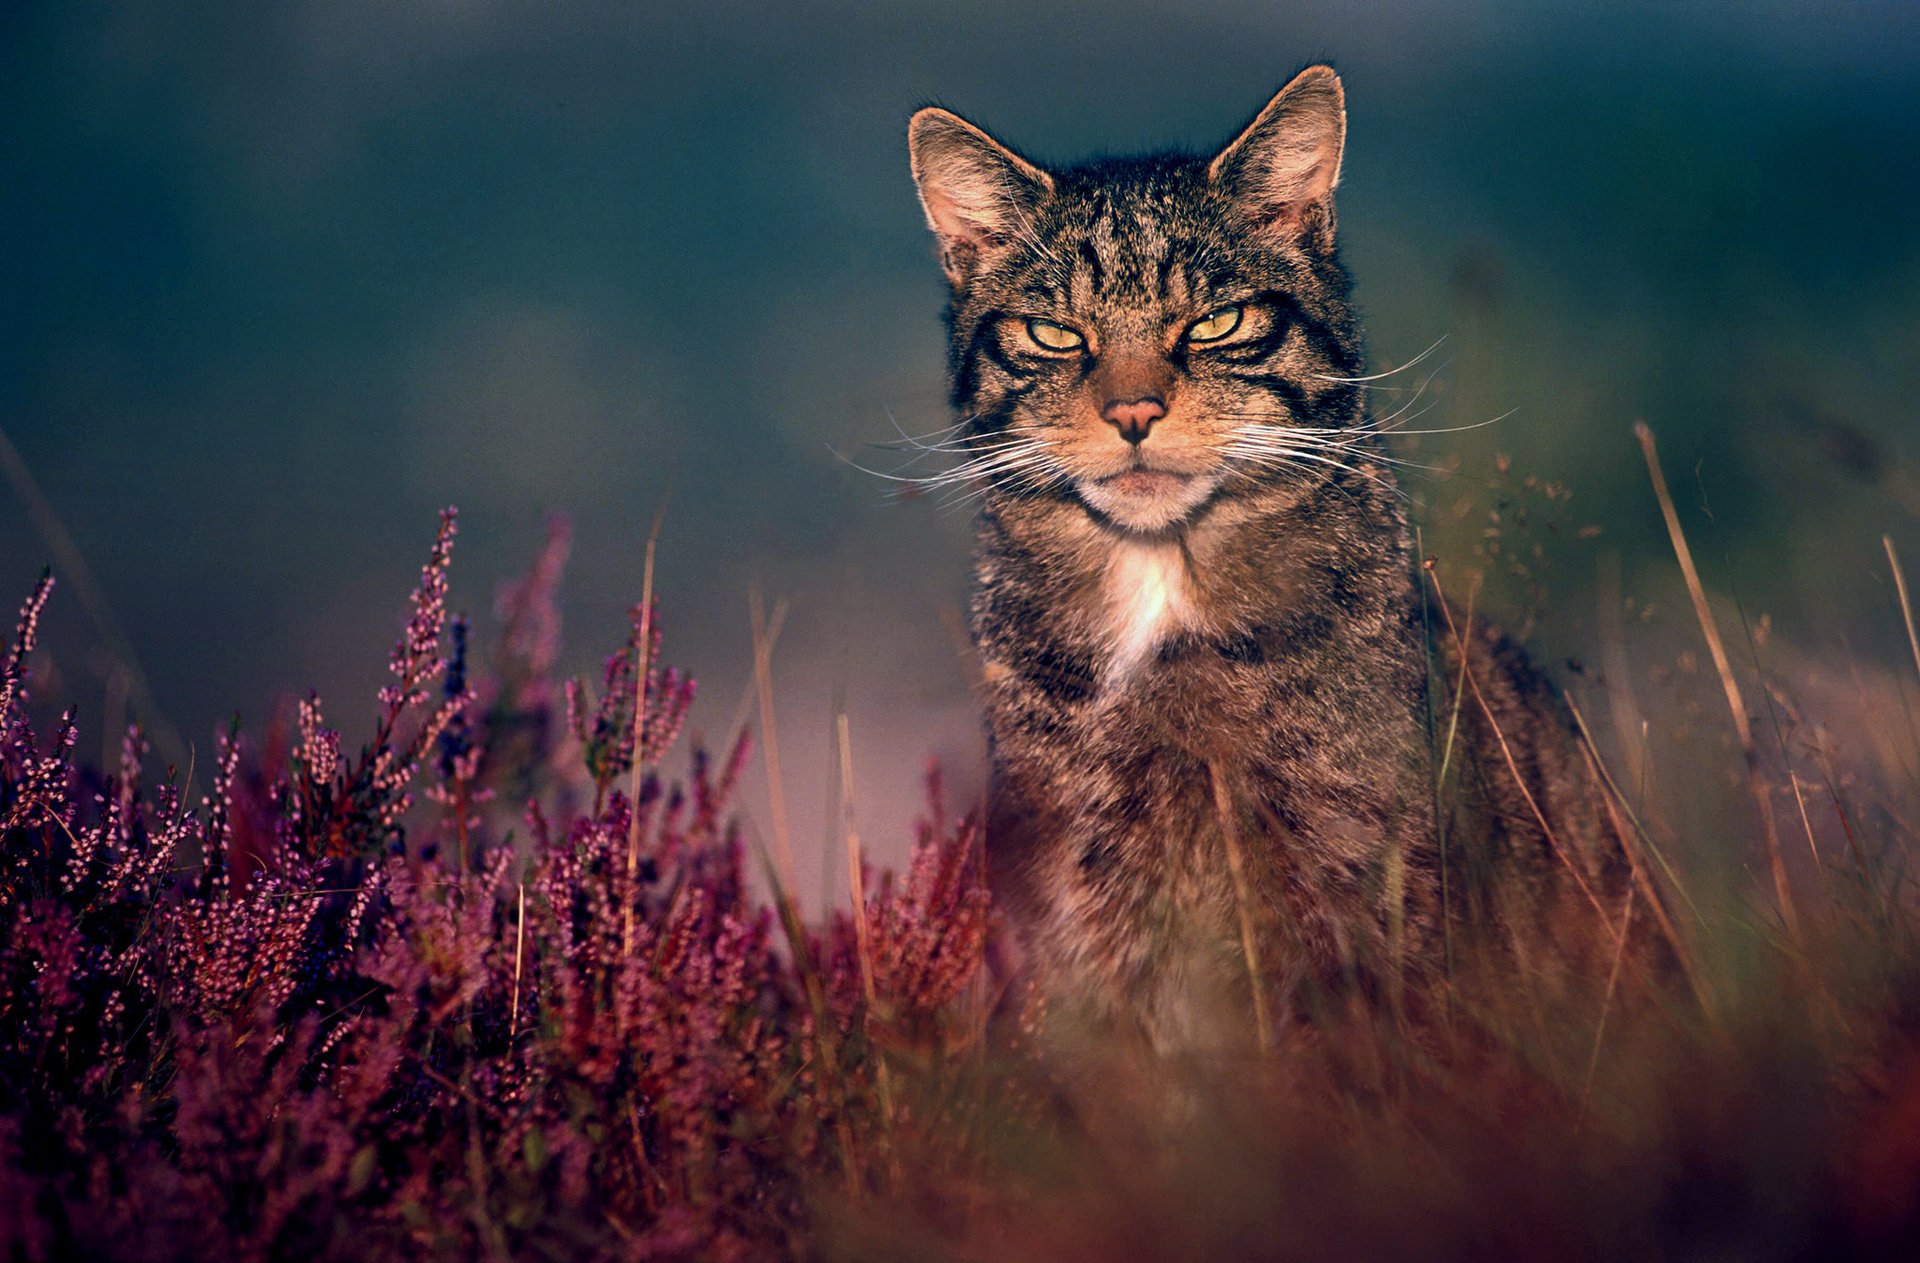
(492, 987)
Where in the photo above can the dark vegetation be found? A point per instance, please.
(498, 986)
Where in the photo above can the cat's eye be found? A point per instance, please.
(1049, 336)
(1215, 325)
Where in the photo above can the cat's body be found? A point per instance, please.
(1207, 659)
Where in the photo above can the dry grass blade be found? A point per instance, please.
(1606, 1004)
(1513, 765)
(1906, 606)
(718, 1093)
(784, 875)
(857, 893)
(1633, 837)
(770, 738)
(1629, 723)
(856, 875)
(1236, 868)
(637, 771)
(1742, 723)
(519, 959)
(74, 569)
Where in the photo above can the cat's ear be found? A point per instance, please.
(1283, 168)
(977, 193)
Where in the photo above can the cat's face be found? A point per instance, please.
(1145, 335)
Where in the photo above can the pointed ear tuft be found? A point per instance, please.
(1283, 168)
(977, 193)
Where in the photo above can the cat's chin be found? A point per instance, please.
(1146, 500)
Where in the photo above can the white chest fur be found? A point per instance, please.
(1149, 597)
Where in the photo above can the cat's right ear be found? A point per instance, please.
(977, 193)
(1283, 168)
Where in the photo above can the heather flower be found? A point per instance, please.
(435, 999)
(26, 630)
(929, 930)
(641, 709)
(898, 963)
(416, 659)
(39, 785)
(319, 745)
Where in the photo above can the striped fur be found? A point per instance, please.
(1209, 644)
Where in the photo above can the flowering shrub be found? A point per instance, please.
(488, 986)
(493, 986)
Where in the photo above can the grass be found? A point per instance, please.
(495, 986)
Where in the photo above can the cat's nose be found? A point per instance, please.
(1135, 417)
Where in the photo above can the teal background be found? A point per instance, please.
(279, 280)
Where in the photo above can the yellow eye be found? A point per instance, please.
(1049, 336)
(1216, 326)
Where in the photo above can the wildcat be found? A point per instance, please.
(1210, 676)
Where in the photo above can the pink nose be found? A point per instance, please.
(1133, 419)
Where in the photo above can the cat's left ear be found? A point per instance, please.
(977, 192)
(1283, 168)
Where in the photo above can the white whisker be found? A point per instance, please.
(1285, 439)
(1275, 455)
(1396, 417)
(1033, 475)
(1355, 381)
(1371, 428)
(990, 457)
(917, 439)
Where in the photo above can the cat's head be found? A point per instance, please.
(1147, 334)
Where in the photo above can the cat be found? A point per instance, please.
(1210, 675)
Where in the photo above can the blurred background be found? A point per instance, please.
(278, 281)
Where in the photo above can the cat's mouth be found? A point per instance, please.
(1142, 498)
(1145, 482)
